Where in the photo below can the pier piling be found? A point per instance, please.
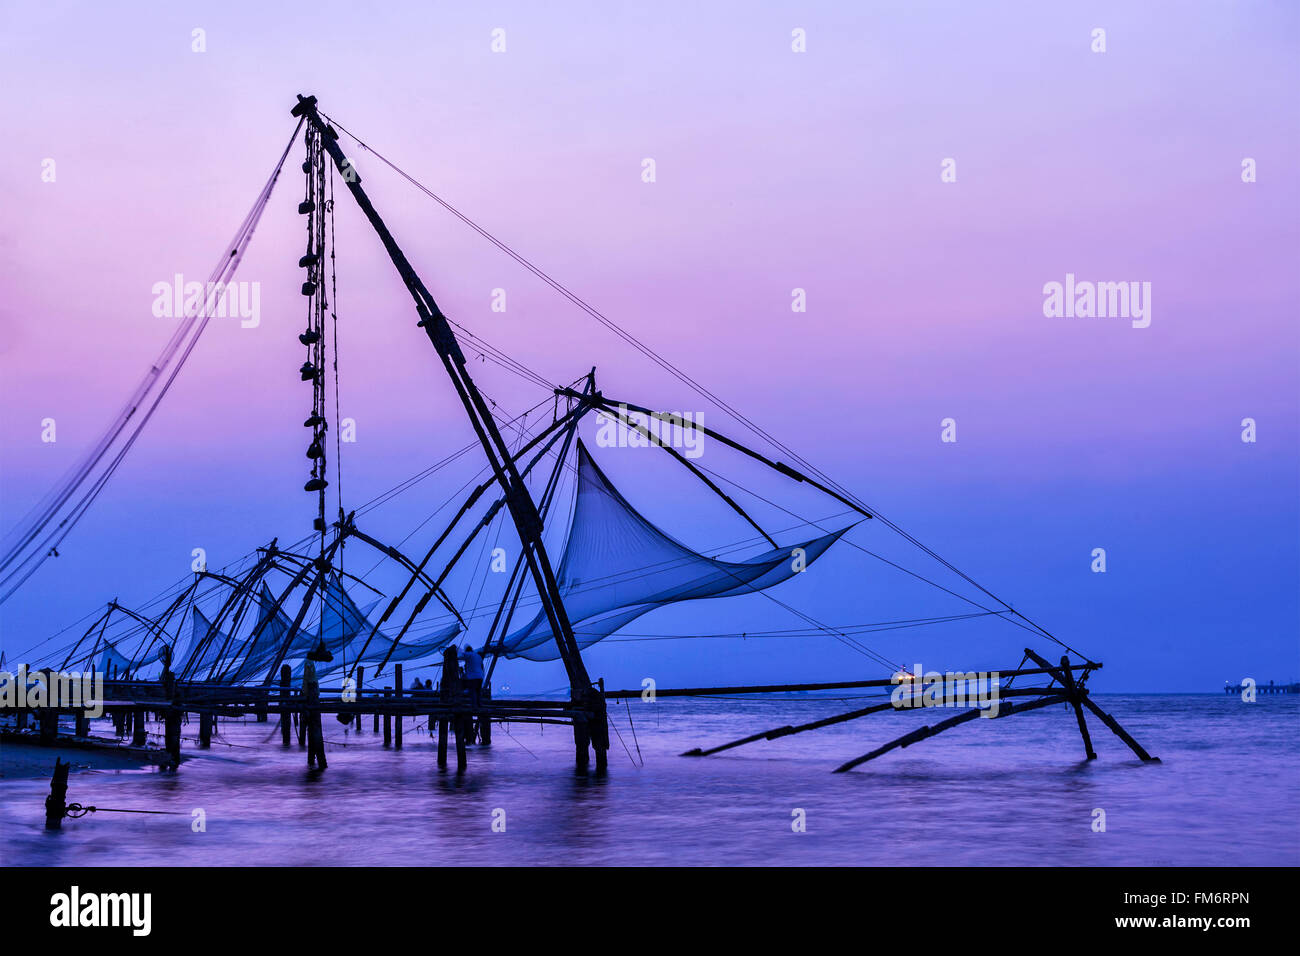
(172, 733)
(284, 704)
(397, 681)
(361, 676)
(139, 727)
(56, 803)
(388, 718)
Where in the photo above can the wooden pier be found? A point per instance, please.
(130, 702)
(1270, 688)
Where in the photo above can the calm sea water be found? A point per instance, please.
(1011, 791)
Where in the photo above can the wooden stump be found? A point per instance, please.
(56, 803)
(172, 728)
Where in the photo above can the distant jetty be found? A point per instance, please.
(1269, 688)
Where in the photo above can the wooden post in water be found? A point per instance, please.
(600, 731)
(388, 718)
(260, 708)
(205, 730)
(56, 803)
(361, 676)
(581, 742)
(462, 738)
(447, 691)
(397, 681)
(285, 716)
(83, 724)
(140, 732)
(172, 735)
(311, 719)
(49, 725)
(484, 721)
(172, 716)
(1072, 690)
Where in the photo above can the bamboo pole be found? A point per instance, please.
(929, 731)
(796, 688)
(787, 730)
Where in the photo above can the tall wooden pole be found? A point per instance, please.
(397, 683)
(523, 509)
(286, 718)
(361, 677)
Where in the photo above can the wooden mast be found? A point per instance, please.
(523, 510)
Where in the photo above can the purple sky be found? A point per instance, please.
(775, 170)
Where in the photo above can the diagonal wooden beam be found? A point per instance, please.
(787, 730)
(1006, 710)
(1119, 731)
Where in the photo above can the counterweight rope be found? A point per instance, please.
(29, 552)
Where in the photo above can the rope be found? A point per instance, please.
(193, 327)
(76, 810)
(609, 720)
(687, 380)
(632, 727)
